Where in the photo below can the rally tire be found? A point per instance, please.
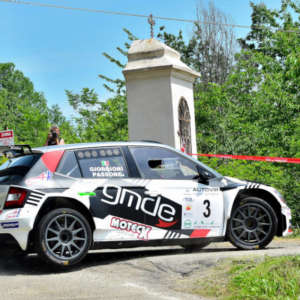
(63, 237)
(253, 224)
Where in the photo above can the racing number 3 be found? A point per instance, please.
(206, 214)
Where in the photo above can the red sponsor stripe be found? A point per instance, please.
(257, 158)
(200, 233)
(51, 159)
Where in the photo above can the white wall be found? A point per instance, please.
(156, 80)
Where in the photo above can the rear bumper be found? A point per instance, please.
(7, 240)
(14, 228)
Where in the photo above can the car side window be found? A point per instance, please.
(69, 166)
(104, 162)
(161, 163)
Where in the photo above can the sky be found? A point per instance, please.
(60, 49)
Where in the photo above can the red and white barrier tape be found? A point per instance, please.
(257, 158)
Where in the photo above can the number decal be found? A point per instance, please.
(208, 211)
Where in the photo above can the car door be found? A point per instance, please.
(106, 189)
(175, 203)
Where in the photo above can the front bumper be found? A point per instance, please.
(287, 216)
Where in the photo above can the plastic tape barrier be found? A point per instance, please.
(257, 158)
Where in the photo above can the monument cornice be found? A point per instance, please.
(166, 70)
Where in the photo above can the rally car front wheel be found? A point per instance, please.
(253, 224)
(63, 237)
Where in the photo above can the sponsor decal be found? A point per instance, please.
(107, 171)
(188, 199)
(116, 152)
(199, 224)
(87, 194)
(43, 177)
(188, 214)
(172, 234)
(206, 190)
(80, 154)
(133, 204)
(104, 163)
(142, 231)
(187, 223)
(188, 207)
(13, 214)
(199, 233)
(94, 153)
(188, 192)
(8, 225)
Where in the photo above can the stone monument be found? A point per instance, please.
(160, 95)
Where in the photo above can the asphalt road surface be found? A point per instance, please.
(142, 273)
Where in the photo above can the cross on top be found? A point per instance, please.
(152, 23)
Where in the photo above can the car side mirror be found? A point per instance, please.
(203, 176)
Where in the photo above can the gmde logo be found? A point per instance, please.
(115, 195)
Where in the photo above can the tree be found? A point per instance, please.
(99, 121)
(257, 110)
(22, 108)
(211, 48)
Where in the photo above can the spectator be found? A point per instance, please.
(54, 137)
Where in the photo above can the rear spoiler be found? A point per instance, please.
(15, 150)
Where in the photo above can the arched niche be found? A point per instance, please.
(184, 119)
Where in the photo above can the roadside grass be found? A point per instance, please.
(295, 235)
(261, 278)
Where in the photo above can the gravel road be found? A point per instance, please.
(143, 273)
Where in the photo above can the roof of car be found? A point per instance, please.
(92, 145)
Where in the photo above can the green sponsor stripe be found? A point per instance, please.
(87, 194)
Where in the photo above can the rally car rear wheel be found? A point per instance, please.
(63, 237)
(253, 224)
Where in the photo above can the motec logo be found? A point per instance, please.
(131, 203)
(149, 206)
(142, 231)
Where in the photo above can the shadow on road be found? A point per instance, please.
(13, 262)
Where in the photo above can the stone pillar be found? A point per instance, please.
(156, 81)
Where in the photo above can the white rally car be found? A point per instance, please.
(61, 201)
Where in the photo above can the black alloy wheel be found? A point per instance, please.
(63, 237)
(253, 224)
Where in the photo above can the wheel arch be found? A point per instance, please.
(55, 202)
(266, 196)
